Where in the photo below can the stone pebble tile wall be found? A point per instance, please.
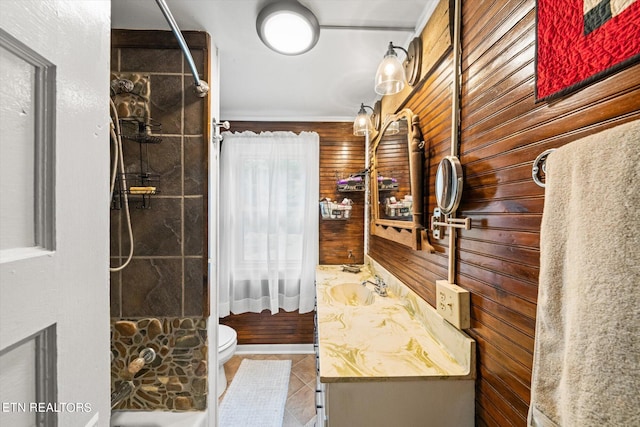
(177, 379)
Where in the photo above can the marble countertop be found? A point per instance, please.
(385, 340)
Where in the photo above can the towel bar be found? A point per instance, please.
(540, 164)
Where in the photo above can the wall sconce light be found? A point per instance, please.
(362, 125)
(366, 123)
(392, 74)
(288, 27)
(393, 128)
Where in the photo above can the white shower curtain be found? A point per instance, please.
(268, 222)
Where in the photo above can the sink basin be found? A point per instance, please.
(352, 294)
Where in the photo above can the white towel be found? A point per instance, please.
(586, 369)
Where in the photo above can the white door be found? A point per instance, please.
(54, 212)
(214, 168)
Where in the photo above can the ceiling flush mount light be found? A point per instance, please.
(364, 123)
(392, 75)
(287, 27)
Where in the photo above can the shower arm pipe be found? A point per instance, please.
(202, 88)
(455, 126)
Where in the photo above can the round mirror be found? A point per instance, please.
(449, 184)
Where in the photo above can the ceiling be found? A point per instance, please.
(325, 84)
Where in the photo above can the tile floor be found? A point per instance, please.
(300, 409)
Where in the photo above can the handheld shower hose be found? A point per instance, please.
(119, 160)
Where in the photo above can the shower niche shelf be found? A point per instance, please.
(141, 185)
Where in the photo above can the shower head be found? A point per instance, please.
(121, 86)
(201, 89)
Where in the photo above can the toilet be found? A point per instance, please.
(227, 342)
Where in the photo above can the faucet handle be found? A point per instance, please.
(146, 356)
(135, 366)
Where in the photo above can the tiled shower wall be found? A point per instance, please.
(177, 378)
(165, 282)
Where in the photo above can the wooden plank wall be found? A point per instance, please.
(340, 152)
(503, 130)
(264, 328)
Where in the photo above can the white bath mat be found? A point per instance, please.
(257, 394)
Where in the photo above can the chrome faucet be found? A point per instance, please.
(122, 390)
(126, 387)
(379, 286)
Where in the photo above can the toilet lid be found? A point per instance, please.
(226, 337)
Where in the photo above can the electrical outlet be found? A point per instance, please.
(453, 304)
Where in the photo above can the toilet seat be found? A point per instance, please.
(226, 337)
(227, 341)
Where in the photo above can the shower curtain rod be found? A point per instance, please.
(202, 88)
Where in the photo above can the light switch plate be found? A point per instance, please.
(453, 304)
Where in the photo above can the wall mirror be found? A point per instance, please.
(397, 181)
(448, 190)
(449, 184)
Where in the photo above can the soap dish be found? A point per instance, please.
(352, 268)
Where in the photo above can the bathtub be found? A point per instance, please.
(157, 419)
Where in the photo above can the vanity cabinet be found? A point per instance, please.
(401, 402)
(387, 361)
(320, 400)
(418, 402)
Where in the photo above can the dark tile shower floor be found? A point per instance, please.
(300, 409)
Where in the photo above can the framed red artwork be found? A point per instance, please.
(582, 41)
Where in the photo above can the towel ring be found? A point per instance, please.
(540, 164)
